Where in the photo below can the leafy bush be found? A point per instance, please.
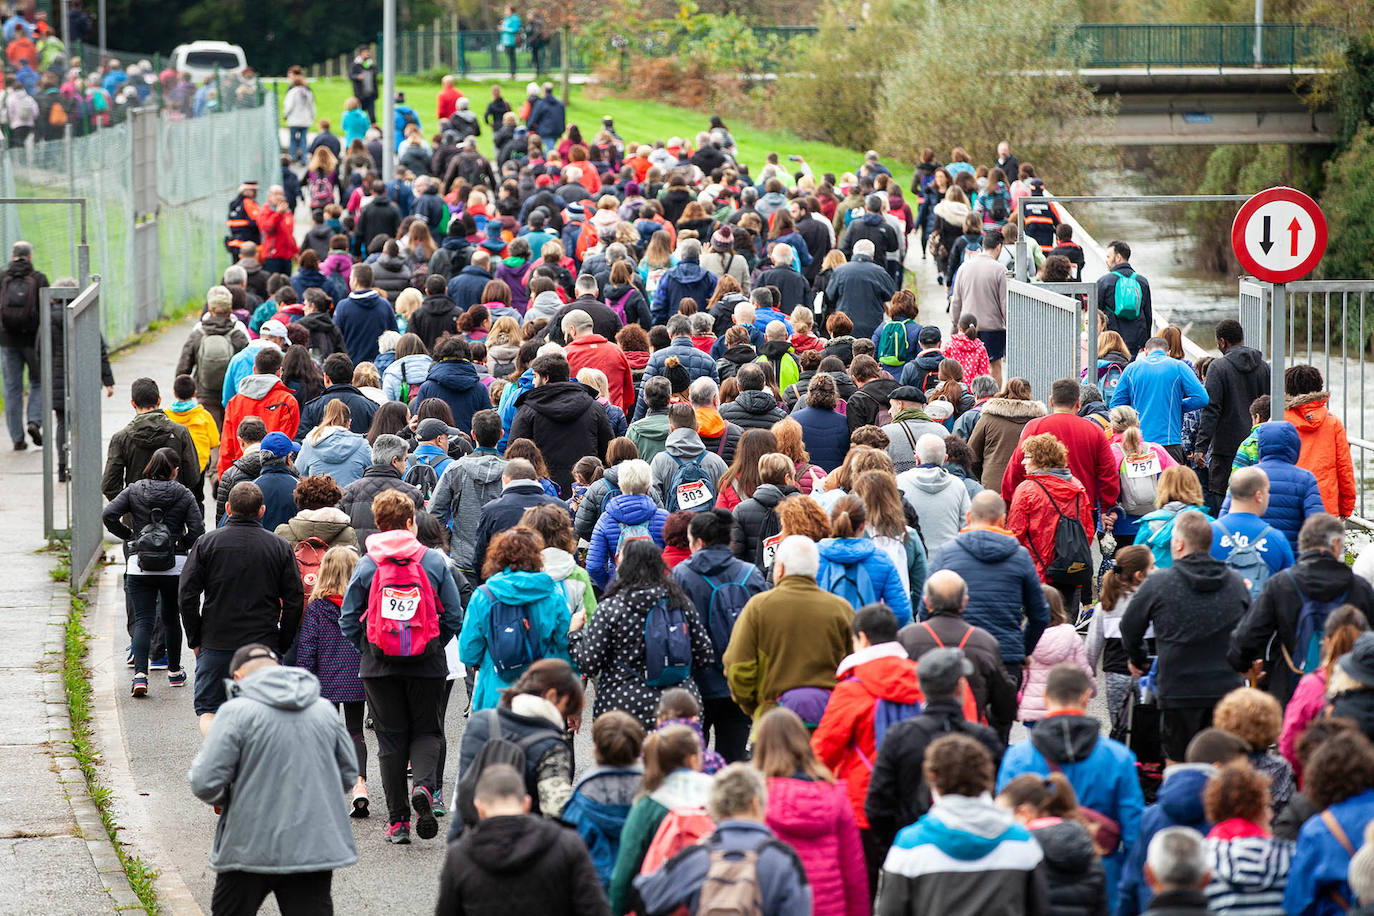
(1349, 207)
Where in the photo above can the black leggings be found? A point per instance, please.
(353, 721)
(443, 747)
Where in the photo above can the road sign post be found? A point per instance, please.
(1279, 235)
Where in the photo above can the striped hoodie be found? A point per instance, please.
(1249, 869)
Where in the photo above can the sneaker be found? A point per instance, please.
(36, 433)
(176, 678)
(440, 809)
(360, 803)
(20, 445)
(398, 834)
(140, 687)
(426, 827)
(159, 663)
(129, 653)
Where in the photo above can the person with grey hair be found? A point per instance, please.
(785, 274)
(254, 278)
(20, 286)
(520, 490)
(586, 349)
(388, 464)
(632, 514)
(983, 388)
(717, 434)
(861, 286)
(686, 279)
(1091, 405)
(941, 499)
(738, 802)
(872, 227)
(209, 347)
(788, 641)
(1176, 870)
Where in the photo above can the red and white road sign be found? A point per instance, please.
(1279, 235)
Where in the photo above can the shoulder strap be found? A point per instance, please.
(967, 634)
(931, 630)
(909, 438)
(1338, 831)
(1054, 504)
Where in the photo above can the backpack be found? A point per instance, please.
(1245, 559)
(402, 609)
(212, 361)
(1108, 380)
(691, 489)
(857, 588)
(424, 474)
(497, 751)
(628, 533)
(512, 641)
(19, 303)
(680, 828)
(618, 306)
(667, 646)
(894, 346)
(309, 554)
(598, 823)
(998, 207)
(321, 190)
(770, 536)
(1139, 475)
(1127, 298)
(886, 713)
(731, 886)
(408, 118)
(1311, 622)
(723, 608)
(884, 416)
(155, 546)
(57, 114)
(1072, 562)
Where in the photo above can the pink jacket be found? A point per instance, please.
(1057, 645)
(816, 819)
(1306, 704)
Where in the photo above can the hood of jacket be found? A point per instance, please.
(931, 479)
(520, 587)
(454, 374)
(710, 423)
(335, 444)
(683, 789)
(846, 551)
(511, 844)
(687, 271)
(281, 688)
(1244, 359)
(561, 402)
(804, 808)
(483, 469)
(439, 306)
(1057, 644)
(739, 355)
(1066, 738)
(756, 403)
(952, 212)
(216, 324)
(872, 219)
(316, 322)
(885, 670)
(713, 562)
(1310, 408)
(1279, 440)
(683, 443)
(558, 563)
(775, 349)
(257, 387)
(325, 524)
(1180, 795)
(1066, 844)
(544, 303)
(769, 494)
(149, 430)
(631, 509)
(968, 828)
(366, 298)
(1202, 573)
(1013, 409)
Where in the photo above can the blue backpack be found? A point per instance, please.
(692, 488)
(1246, 560)
(852, 583)
(667, 646)
(1311, 623)
(724, 607)
(1127, 298)
(894, 344)
(598, 823)
(512, 641)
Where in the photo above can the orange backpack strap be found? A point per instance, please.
(1338, 832)
(931, 630)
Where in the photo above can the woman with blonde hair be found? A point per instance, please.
(789, 435)
(321, 178)
(658, 259)
(1177, 490)
(1140, 465)
(407, 301)
(418, 248)
(595, 378)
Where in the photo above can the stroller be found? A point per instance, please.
(1135, 723)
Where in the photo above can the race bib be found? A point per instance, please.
(400, 603)
(694, 494)
(1142, 465)
(770, 549)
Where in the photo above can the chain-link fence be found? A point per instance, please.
(196, 167)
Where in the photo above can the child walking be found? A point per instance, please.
(1103, 647)
(1058, 644)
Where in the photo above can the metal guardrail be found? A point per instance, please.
(1044, 336)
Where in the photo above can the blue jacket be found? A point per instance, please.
(1320, 863)
(625, 509)
(1242, 528)
(399, 119)
(825, 433)
(548, 118)
(1178, 804)
(1003, 586)
(240, 367)
(508, 406)
(1293, 491)
(457, 384)
(400, 192)
(1102, 771)
(762, 316)
(304, 279)
(278, 485)
(361, 319)
(688, 278)
(355, 125)
(1162, 390)
(431, 455)
(466, 289)
(887, 582)
(549, 615)
(696, 363)
(782, 883)
(720, 566)
(341, 454)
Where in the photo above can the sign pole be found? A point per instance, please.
(1278, 327)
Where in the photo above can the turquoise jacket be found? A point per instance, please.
(354, 126)
(548, 612)
(510, 28)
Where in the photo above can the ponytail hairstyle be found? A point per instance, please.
(951, 389)
(666, 750)
(1131, 563)
(1050, 796)
(847, 517)
(1132, 443)
(1343, 626)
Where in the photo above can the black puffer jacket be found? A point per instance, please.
(750, 516)
(246, 468)
(390, 274)
(730, 361)
(752, 409)
(1078, 886)
(180, 513)
(436, 316)
(566, 422)
(358, 496)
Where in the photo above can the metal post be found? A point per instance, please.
(1259, 33)
(388, 87)
(65, 30)
(1022, 246)
(566, 47)
(100, 17)
(1278, 342)
(45, 362)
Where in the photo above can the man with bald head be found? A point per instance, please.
(1004, 589)
(586, 349)
(945, 596)
(777, 349)
(744, 314)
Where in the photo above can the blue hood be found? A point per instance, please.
(987, 546)
(688, 272)
(520, 587)
(454, 374)
(846, 551)
(454, 242)
(631, 509)
(310, 278)
(1180, 795)
(1279, 440)
(340, 445)
(366, 298)
(872, 219)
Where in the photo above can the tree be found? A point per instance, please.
(1349, 207)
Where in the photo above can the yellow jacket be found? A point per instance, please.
(201, 425)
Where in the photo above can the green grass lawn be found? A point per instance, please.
(635, 119)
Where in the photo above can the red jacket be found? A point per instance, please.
(592, 351)
(1033, 519)
(278, 235)
(1090, 458)
(277, 407)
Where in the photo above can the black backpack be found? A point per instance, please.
(1072, 563)
(19, 303)
(498, 749)
(155, 545)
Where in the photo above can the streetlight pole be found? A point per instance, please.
(388, 87)
(1259, 33)
(100, 14)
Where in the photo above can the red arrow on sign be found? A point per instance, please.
(1293, 229)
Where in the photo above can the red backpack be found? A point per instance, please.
(402, 609)
(309, 555)
(679, 829)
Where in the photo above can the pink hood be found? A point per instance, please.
(1057, 645)
(815, 819)
(392, 544)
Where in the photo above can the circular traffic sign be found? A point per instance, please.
(1279, 235)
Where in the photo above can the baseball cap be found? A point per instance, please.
(272, 328)
(431, 429)
(279, 445)
(929, 336)
(907, 393)
(248, 653)
(938, 671)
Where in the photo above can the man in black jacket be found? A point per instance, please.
(252, 592)
(562, 417)
(791, 285)
(860, 288)
(1233, 383)
(1194, 607)
(436, 316)
(873, 227)
(520, 490)
(338, 369)
(149, 430)
(897, 792)
(379, 215)
(753, 407)
(388, 464)
(1321, 578)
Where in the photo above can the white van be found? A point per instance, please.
(203, 58)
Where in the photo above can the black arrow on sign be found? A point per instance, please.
(1266, 243)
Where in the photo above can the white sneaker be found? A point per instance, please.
(360, 803)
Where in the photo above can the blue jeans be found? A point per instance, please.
(144, 592)
(12, 363)
(295, 146)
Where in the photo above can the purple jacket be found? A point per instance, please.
(519, 294)
(322, 650)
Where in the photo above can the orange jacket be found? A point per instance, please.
(1325, 451)
(276, 406)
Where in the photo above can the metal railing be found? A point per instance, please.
(1044, 336)
(1214, 45)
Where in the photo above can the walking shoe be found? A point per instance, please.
(176, 678)
(63, 475)
(129, 656)
(36, 433)
(426, 827)
(140, 687)
(20, 445)
(440, 810)
(398, 833)
(360, 803)
(159, 663)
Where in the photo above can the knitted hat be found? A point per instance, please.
(677, 375)
(724, 239)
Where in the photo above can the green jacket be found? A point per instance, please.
(1248, 453)
(681, 789)
(649, 435)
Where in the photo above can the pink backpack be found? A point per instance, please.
(402, 609)
(679, 829)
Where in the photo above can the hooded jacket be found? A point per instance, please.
(623, 510)
(1057, 645)
(1294, 492)
(1178, 804)
(131, 447)
(1078, 885)
(251, 586)
(650, 436)
(636, 306)
(941, 501)
(1007, 587)
(753, 409)
(687, 278)
(209, 387)
(362, 317)
(262, 396)
(325, 337)
(436, 316)
(596, 352)
(466, 486)
(997, 434)
(277, 759)
(814, 818)
(859, 289)
(1233, 382)
(1040, 502)
(922, 370)
(750, 516)
(548, 613)
(403, 378)
(456, 383)
(695, 576)
(564, 420)
(1194, 606)
(1325, 451)
(361, 409)
(338, 452)
(862, 552)
(682, 445)
(1161, 389)
(716, 434)
(969, 353)
(873, 227)
(328, 524)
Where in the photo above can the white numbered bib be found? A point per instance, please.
(770, 549)
(1142, 466)
(400, 603)
(694, 494)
